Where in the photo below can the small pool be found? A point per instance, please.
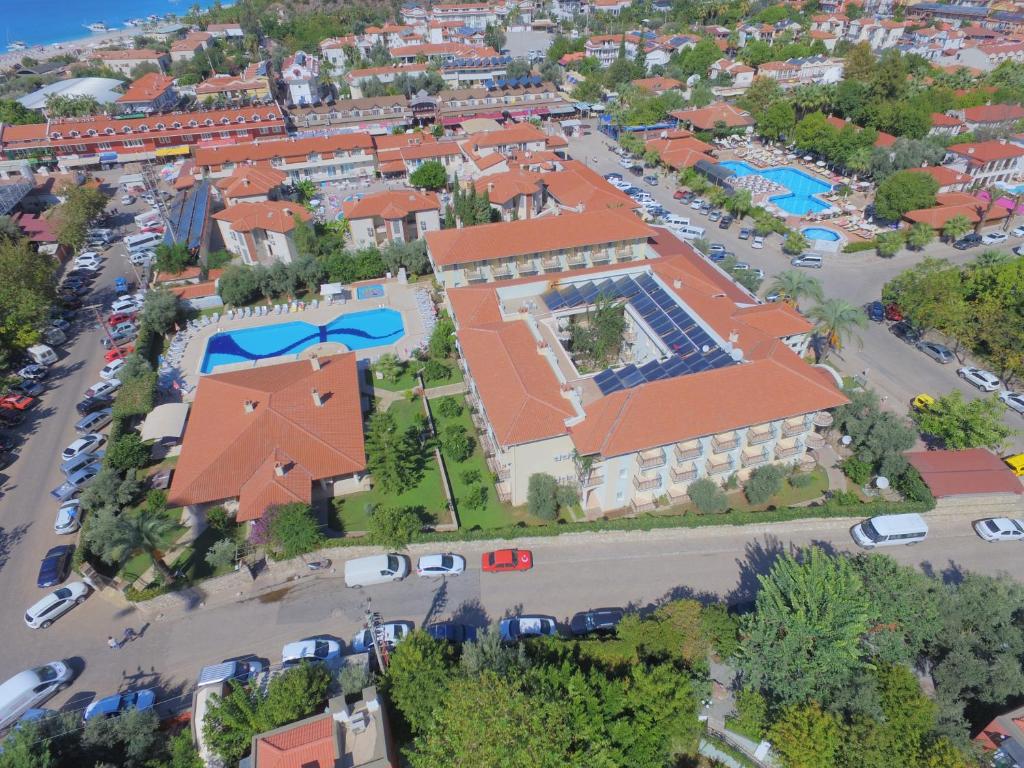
(802, 187)
(374, 291)
(356, 330)
(820, 233)
(340, 216)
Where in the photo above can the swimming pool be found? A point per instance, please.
(820, 233)
(374, 291)
(802, 187)
(357, 330)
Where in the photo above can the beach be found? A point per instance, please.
(74, 47)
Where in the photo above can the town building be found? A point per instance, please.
(356, 78)
(105, 90)
(988, 56)
(438, 52)
(475, 70)
(399, 158)
(474, 15)
(991, 116)
(372, 114)
(607, 48)
(338, 157)
(335, 52)
(261, 232)
(124, 61)
(657, 85)
(681, 149)
(400, 215)
(713, 115)
(738, 77)
(946, 125)
(986, 162)
(252, 83)
(1002, 740)
(153, 92)
(301, 76)
(251, 184)
(229, 31)
(189, 46)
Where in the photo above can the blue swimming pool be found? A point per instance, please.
(820, 233)
(357, 330)
(374, 291)
(802, 187)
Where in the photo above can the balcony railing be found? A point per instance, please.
(683, 475)
(488, 445)
(527, 267)
(551, 263)
(758, 436)
(645, 483)
(576, 261)
(601, 258)
(755, 458)
(652, 459)
(504, 492)
(677, 495)
(688, 450)
(593, 478)
(784, 451)
(641, 505)
(499, 271)
(718, 468)
(476, 276)
(793, 427)
(723, 443)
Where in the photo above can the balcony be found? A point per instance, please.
(504, 492)
(786, 450)
(823, 419)
(551, 264)
(476, 275)
(755, 458)
(677, 495)
(691, 449)
(652, 459)
(593, 478)
(478, 421)
(528, 267)
(719, 467)
(641, 505)
(490, 449)
(759, 436)
(601, 258)
(793, 427)
(577, 261)
(644, 482)
(725, 442)
(501, 271)
(683, 475)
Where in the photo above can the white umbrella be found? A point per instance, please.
(820, 163)
(808, 158)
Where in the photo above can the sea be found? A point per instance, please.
(58, 21)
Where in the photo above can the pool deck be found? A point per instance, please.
(401, 298)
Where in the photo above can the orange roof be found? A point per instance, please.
(705, 118)
(271, 215)
(502, 187)
(956, 473)
(133, 54)
(520, 133)
(225, 445)
(195, 290)
(987, 151)
(248, 80)
(485, 242)
(394, 204)
(577, 184)
(147, 88)
(307, 744)
(425, 151)
(946, 177)
(994, 113)
(284, 148)
(279, 480)
(399, 69)
(681, 153)
(219, 119)
(940, 119)
(251, 181)
(393, 141)
(443, 49)
(952, 204)
(657, 84)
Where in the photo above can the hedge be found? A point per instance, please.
(863, 245)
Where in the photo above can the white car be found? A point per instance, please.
(109, 371)
(321, 649)
(993, 238)
(1018, 231)
(757, 242)
(126, 304)
(446, 564)
(56, 604)
(1014, 400)
(521, 627)
(89, 260)
(85, 444)
(696, 204)
(620, 184)
(983, 380)
(1000, 529)
(69, 518)
(140, 258)
(394, 633)
(626, 162)
(127, 199)
(101, 388)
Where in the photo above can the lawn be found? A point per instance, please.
(408, 378)
(139, 563)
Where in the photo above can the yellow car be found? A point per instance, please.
(923, 402)
(1016, 463)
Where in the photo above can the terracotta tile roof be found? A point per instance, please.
(133, 54)
(705, 118)
(994, 113)
(577, 184)
(946, 177)
(778, 320)
(248, 181)
(271, 215)
(425, 151)
(189, 273)
(18, 133)
(958, 473)
(309, 743)
(394, 204)
(268, 114)
(987, 151)
(503, 187)
(225, 446)
(298, 148)
(952, 204)
(681, 153)
(399, 69)
(279, 480)
(195, 290)
(392, 141)
(147, 88)
(248, 80)
(942, 120)
(443, 49)
(657, 84)
(520, 133)
(515, 238)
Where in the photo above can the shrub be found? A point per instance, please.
(471, 476)
(863, 245)
(912, 487)
(219, 520)
(456, 443)
(858, 470)
(128, 453)
(293, 530)
(394, 527)
(435, 370)
(541, 496)
(449, 407)
(721, 628)
(801, 479)
(751, 714)
(764, 483)
(708, 497)
(221, 554)
(476, 497)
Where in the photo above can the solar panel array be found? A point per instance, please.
(516, 82)
(188, 216)
(675, 327)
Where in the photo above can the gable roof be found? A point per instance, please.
(393, 204)
(307, 744)
(271, 215)
(705, 118)
(148, 87)
(958, 473)
(248, 181)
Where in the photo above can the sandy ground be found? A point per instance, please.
(74, 47)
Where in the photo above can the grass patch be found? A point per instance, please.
(192, 560)
(140, 562)
(408, 379)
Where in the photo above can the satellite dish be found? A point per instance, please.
(846, 440)
(881, 482)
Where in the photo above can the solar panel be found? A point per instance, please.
(630, 376)
(589, 292)
(572, 297)
(700, 364)
(553, 300)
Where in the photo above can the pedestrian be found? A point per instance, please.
(112, 643)
(129, 634)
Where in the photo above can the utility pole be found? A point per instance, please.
(375, 623)
(161, 207)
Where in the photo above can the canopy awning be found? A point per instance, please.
(172, 151)
(165, 421)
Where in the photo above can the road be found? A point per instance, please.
(895, 369)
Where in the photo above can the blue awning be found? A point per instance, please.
(108, 157)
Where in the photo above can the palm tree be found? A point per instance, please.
(920, 234)
(795, 242)
(859, 161)
(1013, 211)
(836, 321)
(740, 203)
(794, 284)
(985, 210)
(131, 533)
(956, 228)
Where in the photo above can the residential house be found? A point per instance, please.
(370, 114)
(986, 162)
(947, 179)
(393, 216)
(1002, 740)
(357, 77)
(252, 83)
(880, 35)
(472, 71)
(261, 232)
(950, 205)
(946, 125)
(730, 77)
(153, 92)
(680, 149)
(399, 158)
(334, 51)
(657, 85)
(438, 52)
(713, 115)
(988, 56)
(607, 48)
(475, 15)
(534, 98)
(126, 60)
(301, 76)
(251, 184)
(189, 46)
(229, 31)
(336, 157)
(991, 116)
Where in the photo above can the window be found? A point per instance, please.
(160, 126)
(242, 132)
(205, 136)
(109, 131)
(264, 131)
(225, 134)
(103, 145)
(175, 124)
(128, 143)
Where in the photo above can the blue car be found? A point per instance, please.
(450, 632)
(54, 568)
(876, 311)
(121, 285)
(121, 702)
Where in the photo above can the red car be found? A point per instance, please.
(17, 402)
(893, 312)
(507, 560)
(121, 317)
(678, 194)
(152, 229)
(118, 352)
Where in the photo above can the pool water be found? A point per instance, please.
(820, 233)
(802, 187)
(357, 330)
(375, 291)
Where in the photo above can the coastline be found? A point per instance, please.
(73, 47)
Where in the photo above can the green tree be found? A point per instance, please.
(26, 290)
(159, 311)
(739, 204)
(888, 244)
(306, 190)
(222, 554)
(795, 242)
(394, 527)
(13, 113)
(26, 747)
(708, 496)
(182, 752)
(127, 740)
(837, 322)
(131, 533)
(456, 443)
(778, 120)
(878, 437)
(239, 285)
(956, 227)
(172, 259)
(435, 370)
(919, 235)
(760, 96)
(541, 496)
(803, 641)
(72, 106)
(429, 175)
(442, 338)
(390, 367)
(860, 63)
(80, 208)
(962, 424)
(127, 452)
(905, 191)
(806, 737)
(764, 483)
(418, 674)
(109, 489)
(392, 456)
(792, 285)
(449, 407)
(293, 530)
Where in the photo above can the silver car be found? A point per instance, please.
(76, 482)
(56, 604)
(1014, 400)
(940, 353)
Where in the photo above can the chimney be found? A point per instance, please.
(250, 406)
(677, 284)
(314, 362)
(317, 400)
(734, 336)
(279, 469)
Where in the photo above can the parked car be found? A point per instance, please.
(92, 404)
(83, 445)
(524, 627)
(102, 388)
(117, 352)
(809, 260)
(141, 258)
(714, 215)
(745, 233)
(241, 671)
(725, 222)
(124, 329)
(876, 311)
(56, 604)
(126, 304)
(117, 338)
(758, 242)
(1018, 231)
(595, 621)
(90, 260)
(984, 380)
(922, 402)
(994, 238)
(651, 180)
(16, 402)
(940, 353)
(109, 371)
(28, 388)
(34, 371)
(317, 649)
(120, 703)
(905, 331)
(441, 565)
(69, 518)
(1000, 529)
(55, 565)
(76, 482)
(967, 241)
(11, 418)
(678, 194)
(626, 163)
(450, 632)
(394, 633)
(1014, 400)
(696, 204)
(893, 313)
(507, 560)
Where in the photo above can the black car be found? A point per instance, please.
(726, 222)
(54, 568)
(73, 288)
(905, 331)
(637, 170)
(596, 621)
(450, 632)
(81, 275)
(7, 442)
(68, 301)
(967, 241)
(10, 418)
(29, 388)
(92, 404)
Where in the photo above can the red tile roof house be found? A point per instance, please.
(1003, 739)
(271, 435)
(153, 92)
(250, 184)
(261, 233)
(986, 162)
(401, 215)
(706, 118)
(124, 61)
(649, 439)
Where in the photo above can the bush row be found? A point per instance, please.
(863, 245)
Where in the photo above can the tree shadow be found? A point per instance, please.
(9, 539)
(681, 592)
(171, 697)
(471, 613)
(758, 560)
(952, 575)
(438, 603)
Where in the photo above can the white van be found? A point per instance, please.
(809, 260)
(42, 354)
(890, 530)
(31, 688)
(378, 569)
(145, 240)
(147, 217)
(675, 220)
(689, 233)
